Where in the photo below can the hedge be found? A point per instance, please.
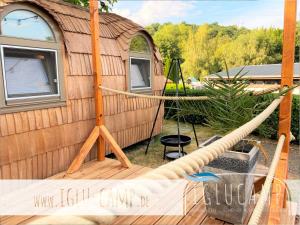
(170, 110)
(271, 122)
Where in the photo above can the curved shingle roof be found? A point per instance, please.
(115, 31)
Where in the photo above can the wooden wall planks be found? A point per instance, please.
(40, 143)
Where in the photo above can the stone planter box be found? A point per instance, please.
(228, 199)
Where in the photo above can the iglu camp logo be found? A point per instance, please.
(203, 177)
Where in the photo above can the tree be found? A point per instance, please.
(258, 46)
(203, 47)
(273, 44)
(199, 53)
(153, 28)
(105, 5)
(232, 32)
(169, 38)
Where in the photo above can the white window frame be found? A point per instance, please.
(150, 73)
(29, 97)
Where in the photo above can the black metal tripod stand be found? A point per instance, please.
(175, 62)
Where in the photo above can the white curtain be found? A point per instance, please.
(25, 76)
(136, 77)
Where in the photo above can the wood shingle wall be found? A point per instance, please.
(40, 143)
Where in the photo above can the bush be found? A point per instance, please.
(272, 122)
(172, 86)
(270, 125)
(170, 106)
(296, 118)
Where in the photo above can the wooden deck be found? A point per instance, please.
(111, 169)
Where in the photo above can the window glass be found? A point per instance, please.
(26, 24)
(140, 73)
(29, 73)
(139, 44)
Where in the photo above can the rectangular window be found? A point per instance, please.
(29, 72)
(140, 73)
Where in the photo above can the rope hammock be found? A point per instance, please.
(179, 98)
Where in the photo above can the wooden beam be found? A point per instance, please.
(97, 68)
(95, 135)
(115, 147)
(85, 149)
(287, 74)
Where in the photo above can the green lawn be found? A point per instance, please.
(154, 158)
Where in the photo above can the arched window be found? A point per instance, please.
(26, 24)
(140, 76)
(139, 44)
(30, 59)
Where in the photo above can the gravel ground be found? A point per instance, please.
(294, 156)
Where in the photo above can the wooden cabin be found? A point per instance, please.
(47, 107)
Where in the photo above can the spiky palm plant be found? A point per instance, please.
(230, 104)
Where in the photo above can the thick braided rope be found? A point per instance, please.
(192, 162)
(178, 98)
(155, 97)
(267, 91)
(263, 198)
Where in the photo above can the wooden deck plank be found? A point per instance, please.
(129, 219)
(193, 197)
(164, 220)
(90, 172)
(125, 173)
(207, 221)
(86, 168)
(103, 173)
(112, 169)
(139, 173)
(196, 215)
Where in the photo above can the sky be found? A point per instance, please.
(247, 13)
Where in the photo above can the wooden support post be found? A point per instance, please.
(278, 191)
(95, 32)
(115, 147)
(84, 151)
(95, 136)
